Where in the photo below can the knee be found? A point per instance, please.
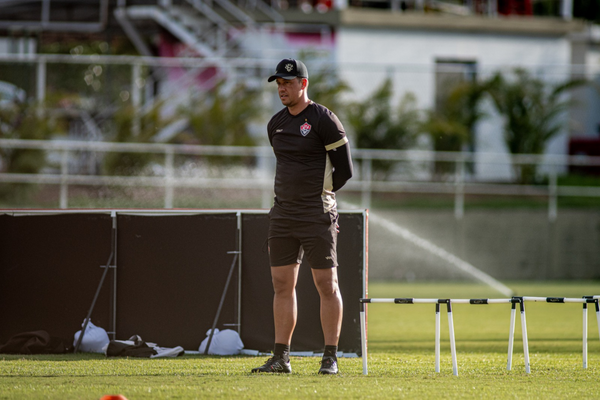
(283, 286)
(328, 287)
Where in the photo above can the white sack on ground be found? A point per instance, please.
(224, 343)
(94, 339)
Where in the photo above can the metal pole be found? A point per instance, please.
(231, 269)
(452, 341)
(45, 12)
(216, 320)
(363, 336)
(366, 172)
(41, 81)
(566, 10)
(525, 340)
(584, 335)
(136, 98)
(239, 291)
(107, 267)
(511, 335)
(437, 337)
(169, 172)
(459, 194)
(114, 300)
(598, 315)
(64, 185)
(552, 195)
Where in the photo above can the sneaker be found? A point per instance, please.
(328, 366)
(275, 364)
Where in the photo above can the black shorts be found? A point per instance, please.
(289, 240)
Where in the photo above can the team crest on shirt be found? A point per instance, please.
(305, 128)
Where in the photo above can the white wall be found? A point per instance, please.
(366, 55)
(591, 127)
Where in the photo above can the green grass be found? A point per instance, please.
(400, 359)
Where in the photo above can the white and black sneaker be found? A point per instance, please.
(328, 366)
(275, 364)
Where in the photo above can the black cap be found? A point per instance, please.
(290, 69)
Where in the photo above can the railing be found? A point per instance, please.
(260, 175)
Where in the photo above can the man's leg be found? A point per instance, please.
(285, 313)
(332, 308)
(331, 316)
(285, 309)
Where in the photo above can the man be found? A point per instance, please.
(313, 162)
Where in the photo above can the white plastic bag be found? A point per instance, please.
(224, 343)
(94, 339)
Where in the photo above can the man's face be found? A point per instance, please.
(290, 91)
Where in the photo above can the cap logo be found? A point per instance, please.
(289, 67)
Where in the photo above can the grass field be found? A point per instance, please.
(400, 359)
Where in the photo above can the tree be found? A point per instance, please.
(533, 112)
(134, 126)
(23, 119)
(451, 125)
(325, 85)
(378, 125)
(222, 117)
(327, 88)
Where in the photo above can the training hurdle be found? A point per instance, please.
(585, 300)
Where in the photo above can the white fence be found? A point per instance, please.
(259, 175)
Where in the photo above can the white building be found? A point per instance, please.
(414, 49)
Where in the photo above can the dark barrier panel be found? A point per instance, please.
(49, 273)
(172, 270)
(257, 293)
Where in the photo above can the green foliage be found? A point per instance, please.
(327, 89)
(70, 45)
(134, 126)
(376, 124)
(99, 84)
(325, 85)
(24, 120)
(21, 75)
(222, 117)
(533, 111)
(451, 125)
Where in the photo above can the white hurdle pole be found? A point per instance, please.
(584, 335)
(452, 341)
(511, 335)
(525, 343)
(437, 337)
(584, 300)
(597, 298)
(363, 335)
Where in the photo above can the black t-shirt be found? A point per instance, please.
(303, 178)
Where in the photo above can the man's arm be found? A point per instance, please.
(341, 160)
